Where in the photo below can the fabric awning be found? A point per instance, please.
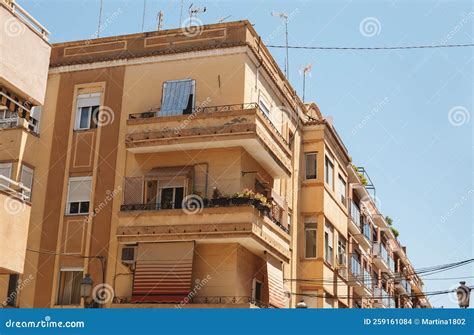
(276, 295)
(176, 96)
(163, 272)
(170, 172)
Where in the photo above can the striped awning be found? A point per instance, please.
(276, 295)
(163, 272)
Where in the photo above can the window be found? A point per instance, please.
(310, 238)
(328, 243)
(311, 166)
(69, 290)
(341, 250)
(87, 111)
(264, 107)
(12, 291)
(289, 222)
(178, 97)
(329, 173)
(27, 180)
(171, 197)
(79, 193)
(342, 190)
(6, 171)
(310, 298)
(257, 290)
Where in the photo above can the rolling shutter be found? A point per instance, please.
(163, 272)
(276, 295)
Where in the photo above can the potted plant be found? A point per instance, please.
(262, 204)
(243, 198)
(218, 199)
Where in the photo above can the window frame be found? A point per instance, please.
(59, 299)
(32, 171)
(341, 183)
(9, 167)
(79, 213)
(90, 111)
(306, 154)
(313, 229)
(328, 245)
(326, 172)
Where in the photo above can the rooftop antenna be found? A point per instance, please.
(100, 18)
(193, 11)
(181, 14)
(143, 16)
(222, 19)
(284, 17)
(305, 70)
(159, 17)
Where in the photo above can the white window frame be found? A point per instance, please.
(326, 172)
(86, 178)
(342, 193)
(306, 154)
(9, 167)
(30, 170)
(77, 124)
(329, 245)
(311, 220)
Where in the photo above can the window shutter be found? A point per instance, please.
(87, 100)
(27, 178)
(79, 189)
(176, 95)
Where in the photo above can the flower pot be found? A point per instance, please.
(220, 202)
(240, 201)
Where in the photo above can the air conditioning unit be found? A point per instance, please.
(128, 254)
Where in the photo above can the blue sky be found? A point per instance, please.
(404, 115)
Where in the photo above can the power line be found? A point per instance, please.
(400, 47)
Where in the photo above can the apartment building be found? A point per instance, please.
(183, 170)
(23, 76)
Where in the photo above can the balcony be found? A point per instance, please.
(354, 220)
(382, 299)
(25, 53)
(256, 227)
(197, 302)
(14, 223)
(359, 278)
(402, 285)
(241, 125)
(382, 259)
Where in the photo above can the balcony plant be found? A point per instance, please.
(242, 198)
(218, 199)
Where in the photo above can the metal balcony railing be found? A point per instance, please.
(355, 213)
(27, 18)
(15, 189)
(155, 113)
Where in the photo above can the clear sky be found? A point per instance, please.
(406, 116)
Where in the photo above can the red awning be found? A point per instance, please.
(276, 295)
(163, 272)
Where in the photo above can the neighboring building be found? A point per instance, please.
(24, 60)
(183, 170)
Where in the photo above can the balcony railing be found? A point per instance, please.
(384, 298)
(355, 213)
(27, 18)
(209, 300)
(273, 213)
(15, 189)
(366, 231)
(155, 113)
(355, 267)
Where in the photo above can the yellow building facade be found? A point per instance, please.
(183, 170)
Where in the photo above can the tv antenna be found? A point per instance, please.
(143, 16)
(222, 19)
(159, 18)
(100, 18)
(305, 70)
(284, 17)
(193, 11)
